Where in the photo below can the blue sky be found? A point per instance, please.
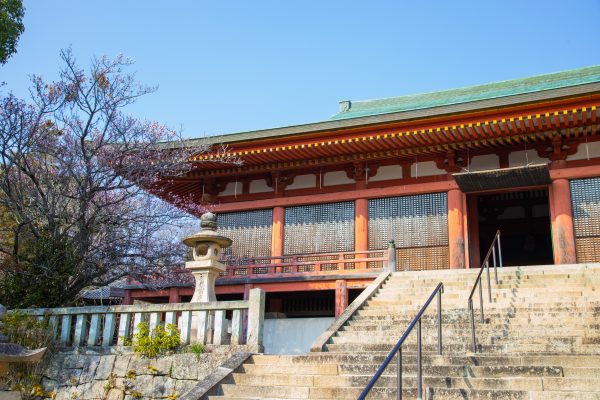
(232, 66)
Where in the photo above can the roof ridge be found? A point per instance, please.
(535, 83)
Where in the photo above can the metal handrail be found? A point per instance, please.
(439, 289)
(486, 265)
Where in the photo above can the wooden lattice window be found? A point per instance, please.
(250, 232)
(585, 198)
(419, 226)
(319, 228)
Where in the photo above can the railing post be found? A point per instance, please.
(202, 327)
(170, 318)
(80, 329)
(487, 268)
(65, 329)
(124, 329)
(236, 327)
(220, 327)
(341, 263)
(419, 363)
(481, 299)
(109, 329)
(94, 332)
(399, 374)
(154, 321)
(53, 322)
(138, 318)
(391, 264)
(439, 319)
(472, 314)
(256, 317)
(500, 251)
(494, 257)
(186, 326)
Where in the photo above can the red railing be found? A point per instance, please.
(288, 265)
(349, 261)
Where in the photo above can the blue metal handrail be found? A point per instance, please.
(439, 289)
(486, 265)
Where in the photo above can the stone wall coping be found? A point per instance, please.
(366, 294)
(202, 389)
(138, 308)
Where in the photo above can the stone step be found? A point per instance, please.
(459, 328)
(390, 393)
(503, 278)
(516, 389)
(489, 337)
(556, 344)
(432, 358)
(465, 348)
(494, 309)
(550, 298)
(504, 371)
(304, 369)
(545, 300)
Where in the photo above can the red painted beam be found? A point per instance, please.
(403, 190)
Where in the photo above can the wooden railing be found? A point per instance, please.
(348, 261)
(216, 323)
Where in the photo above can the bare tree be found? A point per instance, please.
(73, 168)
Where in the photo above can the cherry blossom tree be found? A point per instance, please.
(75, 177)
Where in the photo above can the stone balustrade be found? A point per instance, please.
(218, 323)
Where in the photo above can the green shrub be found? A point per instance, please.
(160, 341)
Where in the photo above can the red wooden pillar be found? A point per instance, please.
(341, 296)
(277, 231)
(361, 217)
(127, 299)
(174, 296)
(563, 236)
(456, 239)
(361, 225)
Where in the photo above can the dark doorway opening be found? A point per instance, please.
(318, 303)
(523, 218)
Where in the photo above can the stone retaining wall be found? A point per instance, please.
(122, 375)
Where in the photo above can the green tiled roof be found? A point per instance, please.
(471, 93)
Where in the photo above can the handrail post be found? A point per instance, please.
(419, 363)
(399, 374)
(391, 264)
(487, 267)
(500, 251)
(481, 299)
(472, 314)
(494, 257)
(439, 319)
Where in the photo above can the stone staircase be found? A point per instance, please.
(540, 341)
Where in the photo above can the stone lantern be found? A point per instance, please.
(13, 353)
(206, 250)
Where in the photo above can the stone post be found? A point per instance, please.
(391, 253)
(256, 318)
